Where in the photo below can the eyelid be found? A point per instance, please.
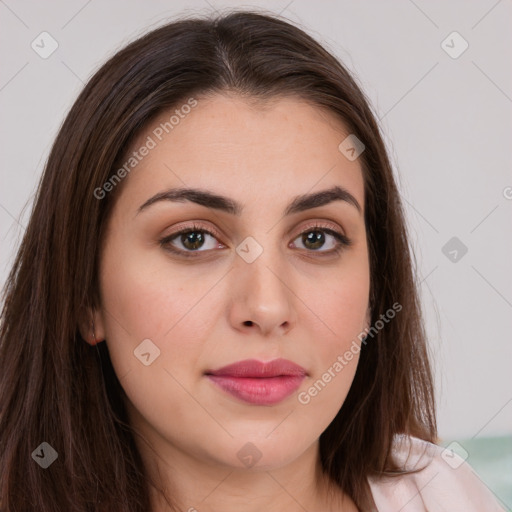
(323, 224)
(195, 226)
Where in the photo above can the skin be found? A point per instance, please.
(303, 306)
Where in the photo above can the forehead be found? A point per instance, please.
(249, 150)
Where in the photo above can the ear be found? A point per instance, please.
(91, 327)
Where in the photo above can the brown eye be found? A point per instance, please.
(313, 239)
(323, 240)
(191, 241)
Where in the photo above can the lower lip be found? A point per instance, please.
(259, 391)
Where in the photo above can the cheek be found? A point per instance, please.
(151, 301)
(144, 299)
(342, 307)
(341, 303)
(338, 311)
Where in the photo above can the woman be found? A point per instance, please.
(214, 305)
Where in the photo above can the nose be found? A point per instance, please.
(262, 297)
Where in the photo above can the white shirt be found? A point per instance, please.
(447, 484)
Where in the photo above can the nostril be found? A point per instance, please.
(248, 322)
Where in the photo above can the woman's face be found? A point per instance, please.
(261, 276)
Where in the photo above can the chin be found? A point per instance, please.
(258, 453)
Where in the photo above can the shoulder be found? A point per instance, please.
(446, 482)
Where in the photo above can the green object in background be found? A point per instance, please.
(491, 458)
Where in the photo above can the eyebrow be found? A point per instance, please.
(218, 202)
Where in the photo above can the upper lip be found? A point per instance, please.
(258, 369)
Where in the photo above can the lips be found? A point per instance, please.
(257, 382)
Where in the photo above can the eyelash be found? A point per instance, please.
(342, 240)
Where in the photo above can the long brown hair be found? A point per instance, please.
(56, 388)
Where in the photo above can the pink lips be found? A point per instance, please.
(259, 383)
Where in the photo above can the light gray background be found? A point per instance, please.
(447, 123)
